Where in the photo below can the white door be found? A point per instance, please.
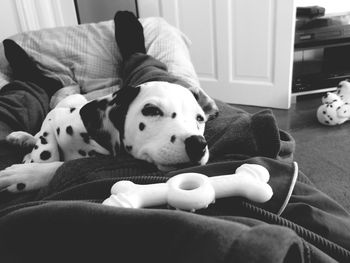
(242, 50)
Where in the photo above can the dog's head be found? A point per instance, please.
(159, 122)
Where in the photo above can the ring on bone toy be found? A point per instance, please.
(193, 191)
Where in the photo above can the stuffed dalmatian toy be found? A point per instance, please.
(335, 108)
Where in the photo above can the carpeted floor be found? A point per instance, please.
(323, 153)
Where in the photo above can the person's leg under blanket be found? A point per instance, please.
(316, 211)
(24, 102)
(231, 138)
(238, 134)
(23, 107)
(304, 196)
(138, 67)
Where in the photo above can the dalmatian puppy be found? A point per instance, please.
(152, 117)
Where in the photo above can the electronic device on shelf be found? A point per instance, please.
(322, 30)
(310, 11)
(321, 52)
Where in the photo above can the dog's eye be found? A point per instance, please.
(151, 110)
(200, 118)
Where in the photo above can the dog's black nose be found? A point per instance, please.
(195, 147)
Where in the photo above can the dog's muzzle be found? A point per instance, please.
(195, 147)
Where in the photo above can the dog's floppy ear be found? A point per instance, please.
(92, 115)
(98, 115)
(120, 105)
(208, 105)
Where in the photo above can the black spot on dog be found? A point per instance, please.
(45, 155)
(337, 108)
(50, 119)
(32, 161)
(142, 126)
(200, 118)
(327, 122)
(82, 152)
(173, 115)
(58, 131)
(43, 140)
(173, 138)
(71, 110)
(324, 112)
(20, 186)
(36, 147)
(45, 134)
(128, 148)
(69, 130)
(85, 136)
(331, 106)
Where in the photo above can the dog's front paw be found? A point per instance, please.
(27, 177)
(22, 139)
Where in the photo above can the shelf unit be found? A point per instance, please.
(319, 45)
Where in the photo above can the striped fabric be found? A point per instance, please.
(86, 58)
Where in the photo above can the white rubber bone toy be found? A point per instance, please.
(192, 191)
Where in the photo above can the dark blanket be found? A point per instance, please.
(65, 222)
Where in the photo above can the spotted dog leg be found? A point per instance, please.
(39, 165)
(28, 176)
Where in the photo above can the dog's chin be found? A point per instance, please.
(166, 166)
(172, 167)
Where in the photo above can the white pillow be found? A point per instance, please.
(86, 58)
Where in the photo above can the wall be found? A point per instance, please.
(9, 21)
(332, 6)
(24, 15)
(92, 11)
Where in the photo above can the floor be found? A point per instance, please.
(322, 152)
(301, 115)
